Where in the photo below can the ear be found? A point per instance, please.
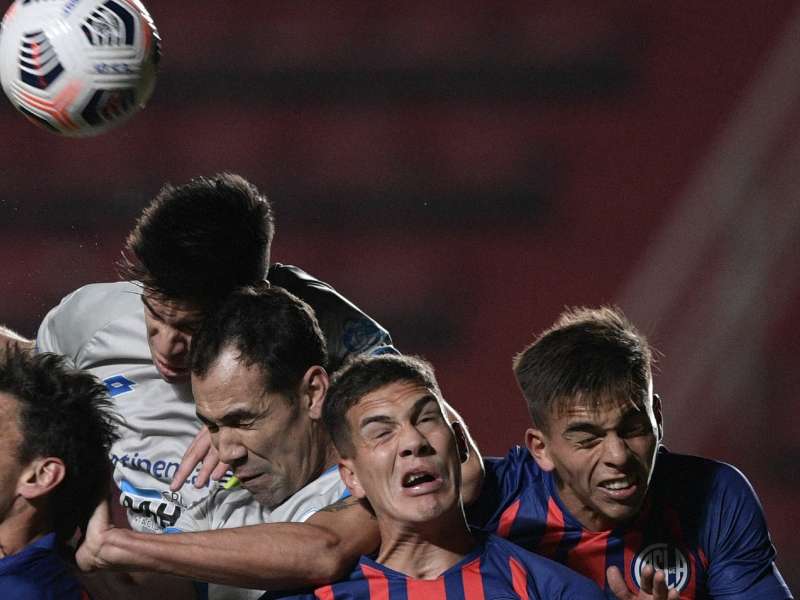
(41, 477)
(461, 441)
(348, 475)
(314, 388)
(537, 442)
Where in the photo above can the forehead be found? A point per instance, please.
(228, 382)
(601, 408)
(167, 308)
(395, 397)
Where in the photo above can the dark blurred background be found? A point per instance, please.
(463, 174)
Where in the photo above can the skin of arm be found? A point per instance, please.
(472, 470)
(269, 556)
(10, 339)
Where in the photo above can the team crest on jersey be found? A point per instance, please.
(118, 385)
(663, 557)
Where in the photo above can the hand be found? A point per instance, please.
(200, 451)
(654, 585)
(88, 555)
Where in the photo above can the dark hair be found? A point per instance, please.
(63, 413)
(593, 355)
(270, 328)
(362, 375)
(199, 241)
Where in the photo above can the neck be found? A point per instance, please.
(19, 529)
(425, 550)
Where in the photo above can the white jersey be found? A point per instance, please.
(100, 328)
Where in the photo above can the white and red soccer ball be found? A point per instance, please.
(78, 67)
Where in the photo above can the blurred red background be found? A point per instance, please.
(464, 175)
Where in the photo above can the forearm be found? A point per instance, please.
(271, 556)
(10, 339)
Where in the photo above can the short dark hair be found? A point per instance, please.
(589, 354)
(199, 241)
(270, 328)
(63, 413)
(362, 375)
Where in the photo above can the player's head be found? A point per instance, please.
(259, 382)
(193, 245)
(397, 449)
(588, 384)
(57, 430)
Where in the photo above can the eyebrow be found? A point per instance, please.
(418, 407)
(590, 427)
(235, 416)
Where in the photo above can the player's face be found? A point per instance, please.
(170, 326)
(10, 440)
(273, 443)
(406, 459)
(603, 458)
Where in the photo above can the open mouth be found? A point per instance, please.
(620, 488)
(416, 478)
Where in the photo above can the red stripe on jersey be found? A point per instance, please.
(703, 558)
(425, 589)
(588, 557)
(324, 593)
(377, 582)
(519, 578)
(554, 530)
(472, 581)
(507, 519)
(633, 543)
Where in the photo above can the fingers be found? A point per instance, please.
(660, 589)
(220, 470)
(646, 583)
(616, 584)
(210, 463)
(194, 455)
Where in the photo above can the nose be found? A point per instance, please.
(413, 442)
(170, 342)
(615, 450)
(229, 447)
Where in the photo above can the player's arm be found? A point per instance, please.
(472, 470)
(740, 553)
(268, 556)
(10, 339)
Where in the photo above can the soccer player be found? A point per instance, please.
(596, 490)
(192, 245)
(259, 383)
(55, 433)
(400, 454)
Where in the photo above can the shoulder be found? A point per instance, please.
(69, 326)
(549, 578)
(348, 330)
(91, 307)
(699, 478)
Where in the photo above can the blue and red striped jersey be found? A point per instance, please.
(37, 572)
(701, 523)
(494, 570)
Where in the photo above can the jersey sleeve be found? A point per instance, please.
(62, 329)
(742, 562)
(502, 481)
(348, 330)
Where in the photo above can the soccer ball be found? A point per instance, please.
(78, 67)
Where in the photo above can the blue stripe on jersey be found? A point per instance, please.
(454, 584)
(127, 488)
